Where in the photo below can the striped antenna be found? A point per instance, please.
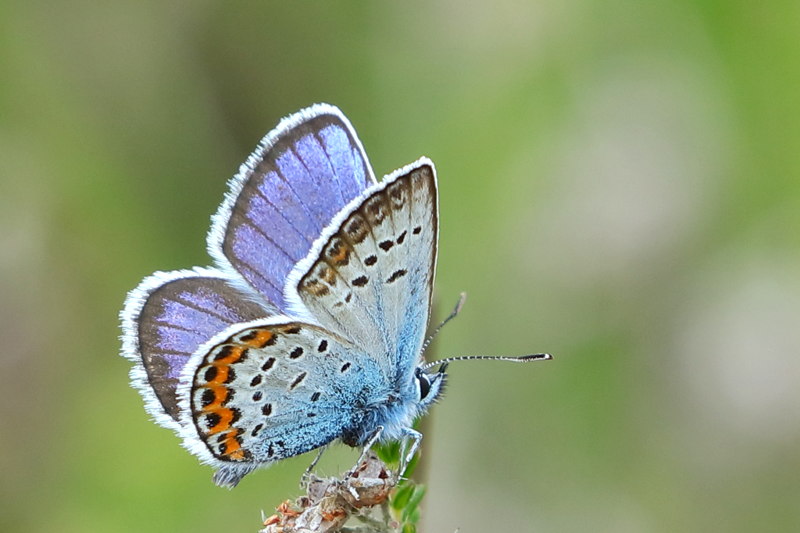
(520, 359)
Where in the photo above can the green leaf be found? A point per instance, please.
(402, 496)
(388, 452)
(411, 516)
(410, 512)
(409, 528)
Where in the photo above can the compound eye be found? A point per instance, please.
(424, 384)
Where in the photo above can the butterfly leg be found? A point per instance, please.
(408, 450)
(305, 479)
(369, 444)
(373, 438)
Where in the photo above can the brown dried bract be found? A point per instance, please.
(330, 502)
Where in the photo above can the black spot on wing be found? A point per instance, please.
(207, 397)
(212, 419)
(299, 379)
(397, 274)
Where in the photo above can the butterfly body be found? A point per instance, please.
(310, 326)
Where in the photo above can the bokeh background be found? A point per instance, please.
(620, 186)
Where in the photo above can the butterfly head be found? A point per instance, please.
(429, 385)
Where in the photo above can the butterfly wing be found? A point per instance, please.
(302, 173)
(272, 389)
(370, 276)
(304, 231)
(299, 177)
(165, 320)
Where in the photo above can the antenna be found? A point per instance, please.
(454, 313)
(520, 359)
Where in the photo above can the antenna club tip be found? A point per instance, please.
(537, 357)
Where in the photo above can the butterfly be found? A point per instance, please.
(310, 326)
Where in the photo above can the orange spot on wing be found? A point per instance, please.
(234, 353)
(238, 453)
(220, 397)
(328, 275)
(233, 449)
(341, 255)
(259, 339)
(225, 419)
(222, 375)
(314, 287)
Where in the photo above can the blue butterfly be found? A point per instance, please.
(311, 325)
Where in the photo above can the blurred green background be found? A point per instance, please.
(619, 186)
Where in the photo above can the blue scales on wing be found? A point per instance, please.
(285, 194)
(276, 390)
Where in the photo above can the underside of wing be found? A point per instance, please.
(273, 390)
(370, 276)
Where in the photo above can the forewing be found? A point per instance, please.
(302, 174)
(271, 391)
(166, 319)
(371, 275)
